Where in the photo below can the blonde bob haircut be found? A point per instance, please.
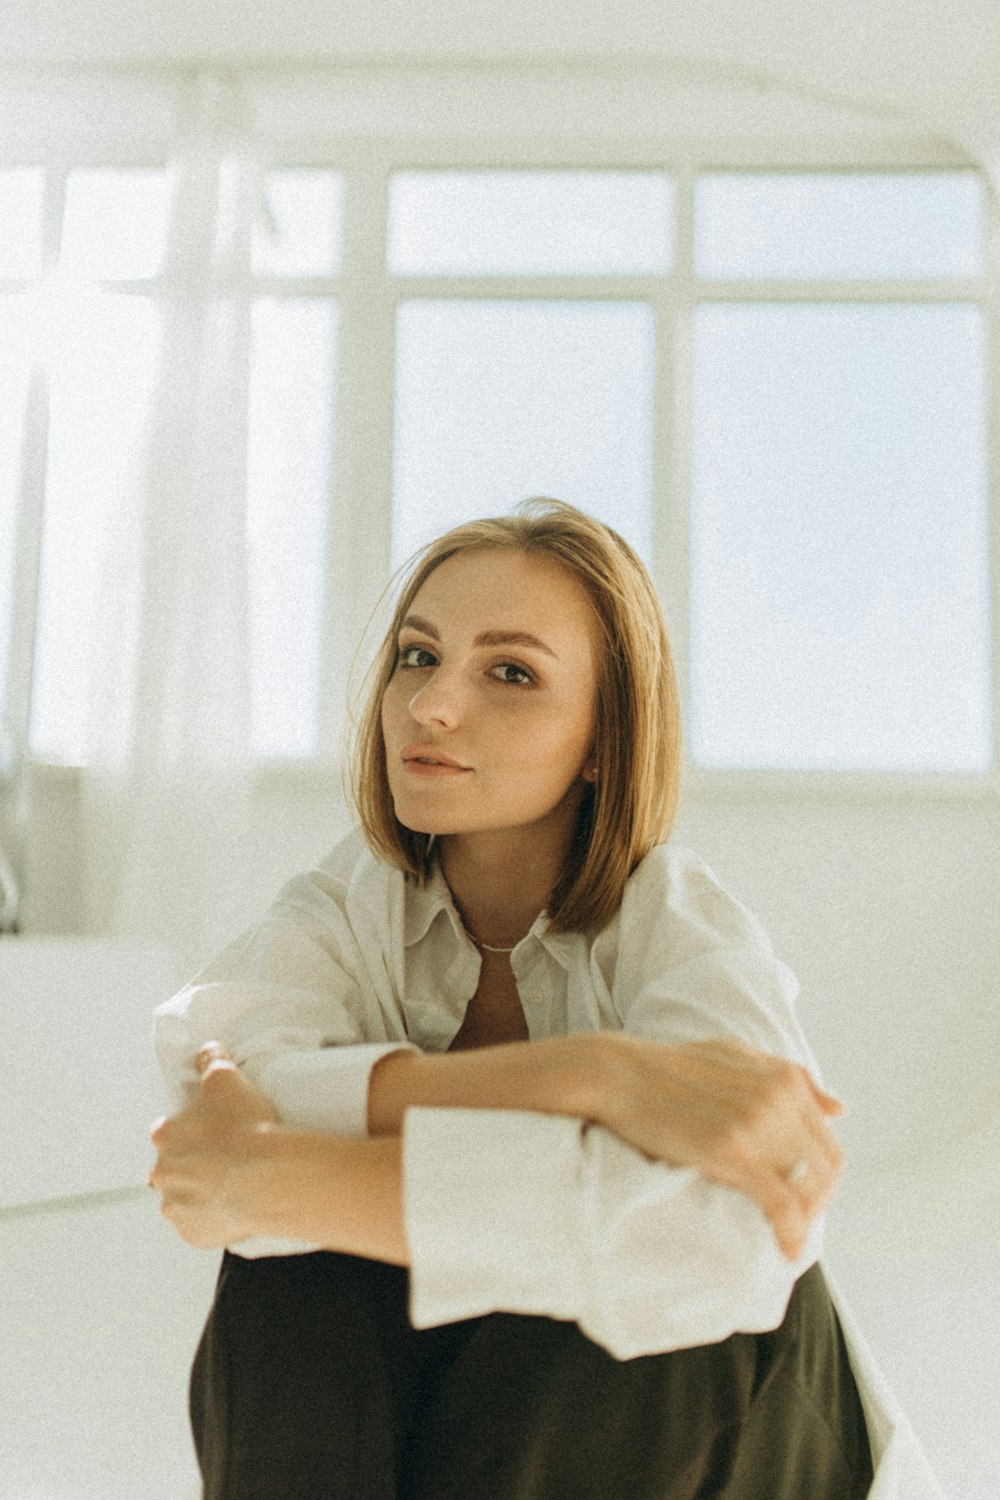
(633, 802)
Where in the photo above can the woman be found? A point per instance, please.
(504, 1111)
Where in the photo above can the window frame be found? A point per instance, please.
(361, 468)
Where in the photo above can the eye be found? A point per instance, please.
(410, 656)
(513, 675)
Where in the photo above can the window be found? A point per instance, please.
(530, 223)
(295, 326)
(836, 623)
(496, 398)
(90, 330)
(839, 587)
(775, 383)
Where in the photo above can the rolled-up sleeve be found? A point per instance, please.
(538, 1214)
(290, 1043)
(490, 1199)
(290, 1003)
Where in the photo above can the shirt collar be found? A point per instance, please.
(559, 944)
(424, 904)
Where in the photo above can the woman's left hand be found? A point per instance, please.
(205, 1155)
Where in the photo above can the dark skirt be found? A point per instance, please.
(310, 1384)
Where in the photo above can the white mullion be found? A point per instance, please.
(360, 522)
(30, 527)
(813, 292)
(648, 151)
(29, 530)
(53, 208)
(672, 498)
(515, 288)
(992, 312)
(841, 787)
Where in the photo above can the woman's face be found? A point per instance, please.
(488, 719)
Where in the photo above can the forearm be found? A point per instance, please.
(230, 1173)
(339, 1193)
(558, 1075)
(346, 1194)
(740, 1116)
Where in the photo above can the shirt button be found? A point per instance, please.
(535, 997)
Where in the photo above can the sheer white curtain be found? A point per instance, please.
(166, 788)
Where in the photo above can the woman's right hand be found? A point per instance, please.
(742, 1117)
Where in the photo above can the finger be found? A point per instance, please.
(795, 1182)
(806, 1197)
(781, 1206)
(829, 1103)
(209, 1053)
(795, 1205)
(222, 1084)
(220, 1067)
(225, 1089)
(807, 1147)
(824, 1155)
(791, 1218)
(188, 1225)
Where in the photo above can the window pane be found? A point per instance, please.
(530, 223)
(15, 356)
(101, 387)
(20, 221)
(802, 226)
(304, 236)
(839, 579)
(115, 223)
(291, 388)
(496, 401)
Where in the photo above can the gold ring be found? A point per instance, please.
(208, 1054)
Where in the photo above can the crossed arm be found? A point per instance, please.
(227, 1169)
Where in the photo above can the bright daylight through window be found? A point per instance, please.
(821, 334)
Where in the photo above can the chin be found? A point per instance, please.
(419, 821)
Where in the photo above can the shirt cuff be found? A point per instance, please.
(322, 1088)
(489, 1199)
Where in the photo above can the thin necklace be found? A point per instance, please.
(489, 946)
(483, 947)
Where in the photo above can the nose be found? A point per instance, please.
(436, 701)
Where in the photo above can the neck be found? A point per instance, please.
(499, 884)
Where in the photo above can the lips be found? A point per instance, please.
(427, 755)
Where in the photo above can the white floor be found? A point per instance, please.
(100, 1310)
(917, 1252)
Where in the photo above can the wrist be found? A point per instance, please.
(254, 1184)
(612, 1081)
(339, 1193)
(592, 1078)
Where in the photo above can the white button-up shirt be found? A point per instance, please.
(508, 1210)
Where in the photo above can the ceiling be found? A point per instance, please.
(942, 59)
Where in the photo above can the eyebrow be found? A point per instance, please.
(485, 637)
